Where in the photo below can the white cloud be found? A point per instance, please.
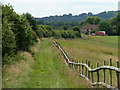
(119, 5)
(40, 8)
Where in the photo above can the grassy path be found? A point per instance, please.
(48, 70)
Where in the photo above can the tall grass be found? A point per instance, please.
(96, 50)
(46, 69)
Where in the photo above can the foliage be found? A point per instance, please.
(65, 34)
(17, 33)
(105, 26)
(23, 36)
(8, 36)
(91, 20)
(40, 31)
(77, 18)
(8, 40)
(111, 26)
(56, 34)
(76, 28)
(65, 27)
(31, 21)
(71, 34)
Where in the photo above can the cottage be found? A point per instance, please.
(87, 28)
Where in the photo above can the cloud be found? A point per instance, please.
(119, 5)
(40, 8)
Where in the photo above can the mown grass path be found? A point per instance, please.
(47, 71)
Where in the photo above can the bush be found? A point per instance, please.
(56, 34)
(8, 40)
(65, 34)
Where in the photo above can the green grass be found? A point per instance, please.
(46, 70)
(96, 50)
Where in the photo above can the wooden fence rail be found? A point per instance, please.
(85, 71)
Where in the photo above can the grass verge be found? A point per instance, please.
(45, 68)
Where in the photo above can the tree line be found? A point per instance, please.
(21, 31)
(77, 18)
(110, 26)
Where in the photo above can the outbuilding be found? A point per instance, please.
(87, 28)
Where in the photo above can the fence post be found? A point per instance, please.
(117, 73)
(88, 70)
(73, 65)
(104, 72)
(98, 74)
(110, 74)
(92, 74)
(82, 68)
(79, 68)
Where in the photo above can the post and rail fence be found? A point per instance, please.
(86, 70)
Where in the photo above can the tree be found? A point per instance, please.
(78, 33)
(32, 21)
(65, 34)
(76, 28)
(48, 27)
(118, 23)
(24, 35)
(71, 34)
(40, 31)
(40, 22)
(91, 20)
(65, 27)
(8, 39)
(105, 26)
(56, 34)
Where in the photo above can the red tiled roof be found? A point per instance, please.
(90, 27)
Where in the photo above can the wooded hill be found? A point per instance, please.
(77, 18)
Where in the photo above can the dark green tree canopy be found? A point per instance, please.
(105, 26)
(31, 20)
(91, 20)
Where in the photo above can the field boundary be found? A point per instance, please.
(85, 68)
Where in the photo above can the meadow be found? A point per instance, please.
(95, 49)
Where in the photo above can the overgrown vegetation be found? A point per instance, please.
(17, 33)
(47, 69)
(21, 31)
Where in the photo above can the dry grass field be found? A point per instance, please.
(95, 49)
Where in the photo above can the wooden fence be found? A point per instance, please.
(86, 70)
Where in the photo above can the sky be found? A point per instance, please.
(43, 8)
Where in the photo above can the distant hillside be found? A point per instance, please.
(78, 18)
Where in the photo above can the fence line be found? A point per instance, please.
(91, 70)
